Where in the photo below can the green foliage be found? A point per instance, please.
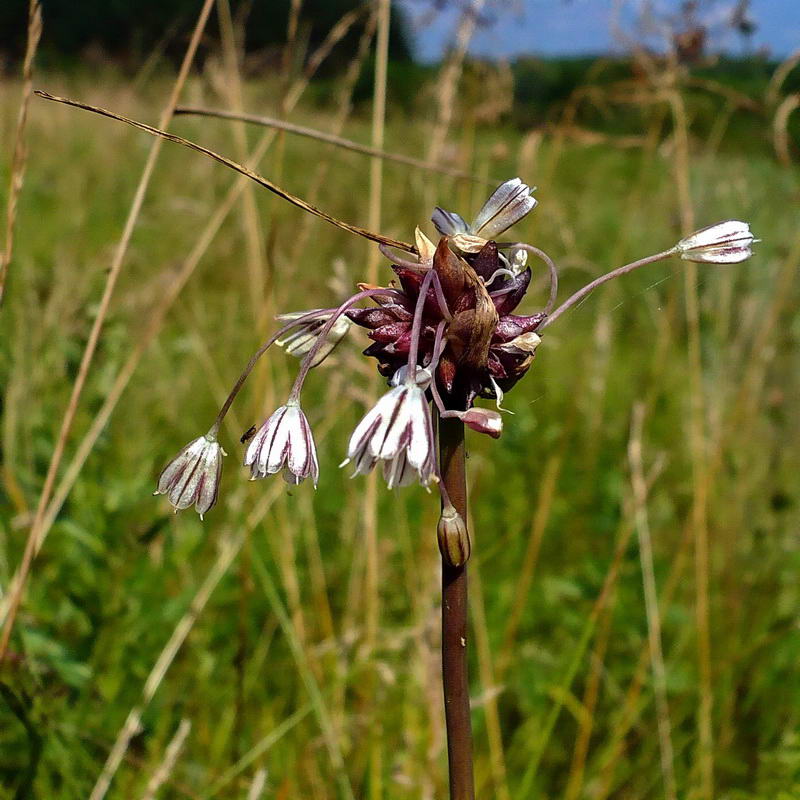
(132, 30)
(280, 655)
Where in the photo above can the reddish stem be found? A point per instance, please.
(455, 679)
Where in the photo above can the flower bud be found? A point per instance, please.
(483, 420)
(724, 243)
(454, 543)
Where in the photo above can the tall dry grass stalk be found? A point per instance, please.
(369, 510)
(542, 733)
(20, 152)
(162, 305)
(167, 765)
(697, 437)
(94, 335)
(639, 486)
(447, 83)
(336, 141)
(250, 220)
(229, 548)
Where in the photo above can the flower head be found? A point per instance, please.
(284, 442)
(724, 243)
(486, 345)
(398, 432)
(192, 477)
(509, 203)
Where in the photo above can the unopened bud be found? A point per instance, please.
(724, 243)
(483, 420)
(454, 544)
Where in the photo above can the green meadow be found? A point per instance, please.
(296, 632)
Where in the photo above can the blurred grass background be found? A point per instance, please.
(277, 673)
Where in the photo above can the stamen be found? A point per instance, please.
(497, 273)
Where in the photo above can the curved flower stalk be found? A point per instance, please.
(299, 341)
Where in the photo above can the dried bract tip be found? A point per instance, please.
(724, 243)
(453, 536)
(192, 477)
(524, 344)
(483, 420)
(284, 442)
(299, 341)
(467, 243)
(425, 247)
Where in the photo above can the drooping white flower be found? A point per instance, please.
(509, 203)
(298, 341)
(284, 442)
(192, 477)
(724, 243)
(398, 432)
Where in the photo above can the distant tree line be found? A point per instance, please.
(129, 30)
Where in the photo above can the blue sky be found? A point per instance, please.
(556, 27)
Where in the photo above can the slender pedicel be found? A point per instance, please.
(253, 361)
(438, 349)
(609, 276)
(309, 359)
(416, 326)
(535, 251)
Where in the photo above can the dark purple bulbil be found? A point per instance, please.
(466, 367)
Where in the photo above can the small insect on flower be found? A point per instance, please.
(284, 442)
(193, 476)
(724, 243)
(248, 434)
(397, 431)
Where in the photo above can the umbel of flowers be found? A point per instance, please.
(448, 332)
